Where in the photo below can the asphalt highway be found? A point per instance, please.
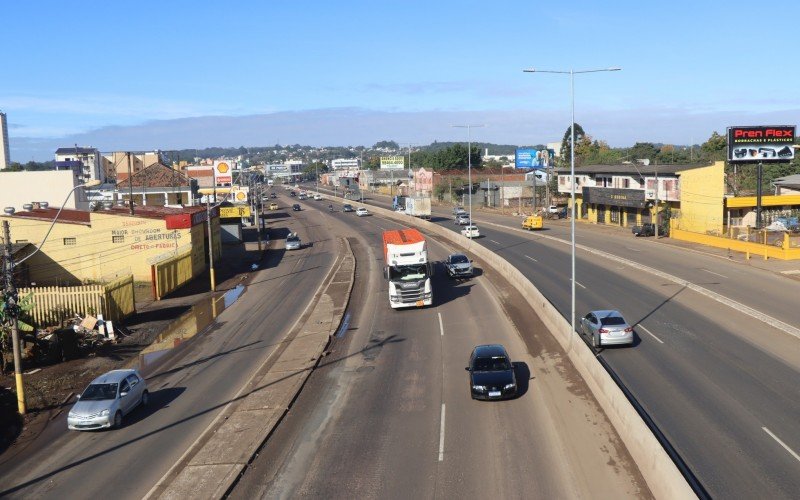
(723, 386)
(388, 413)
(187, 391)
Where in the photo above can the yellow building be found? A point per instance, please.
(702, 199)
(100, 246)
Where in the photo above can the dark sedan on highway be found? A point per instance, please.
(491, 373)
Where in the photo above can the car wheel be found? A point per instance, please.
(595, 341)
(117, 420)
(145, 398)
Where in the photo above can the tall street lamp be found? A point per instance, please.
(572, 74)
(208, 193)
(11, 291)
(469, 163)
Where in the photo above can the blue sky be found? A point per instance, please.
(147, 75)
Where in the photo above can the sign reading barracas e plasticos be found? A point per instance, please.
(763, 143)
(393, 162)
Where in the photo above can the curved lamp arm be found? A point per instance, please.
(91, 183)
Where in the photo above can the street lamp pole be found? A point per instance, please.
(469, 163)
(572, 74)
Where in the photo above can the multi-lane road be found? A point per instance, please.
(717, 360)
(389, 413)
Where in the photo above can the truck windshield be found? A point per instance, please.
(408, 273)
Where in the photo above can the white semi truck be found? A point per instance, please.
(418, 206)
(407, 268)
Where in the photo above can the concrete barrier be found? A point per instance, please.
(659, 471)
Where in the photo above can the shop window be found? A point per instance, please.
(70, 241)
(626, 183)
(118, 239)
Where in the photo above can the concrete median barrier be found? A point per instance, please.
(660, 472)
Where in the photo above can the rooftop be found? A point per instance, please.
(628, 168)
(75, 151)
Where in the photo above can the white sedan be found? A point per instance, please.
(361, 211)
(317, 197)
(471, 232)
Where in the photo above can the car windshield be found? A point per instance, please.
(408, 273)
(292, 238)
(493, 364)
(459, 259)
(613, 320)
(99, 392)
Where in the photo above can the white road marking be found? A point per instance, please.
(576, 282)
(712, 272)
(441, 327)
(649, 332)
(633, 249)
(441, 437)
(776, 438)
(529, 257)
(495, 242)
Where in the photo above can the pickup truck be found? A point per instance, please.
(458, 266)
(646, 229)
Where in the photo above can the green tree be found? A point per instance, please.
(566, 144)
(715, 148)
(643, 150)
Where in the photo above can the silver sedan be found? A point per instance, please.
(107, 400)
(607, 327)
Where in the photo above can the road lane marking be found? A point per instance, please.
(576, 282)
(773, 436)
(441, 437)
(649, 332)
(633, 249)
(529, 257)
(495, 242)
(712, 272)
(441, 327)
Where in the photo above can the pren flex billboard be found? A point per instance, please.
(533, 158)
(762, 143)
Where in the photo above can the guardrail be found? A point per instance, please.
(663, 470)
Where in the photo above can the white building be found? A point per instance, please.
(85, 162)
(345, 164)
(5, 157)
(20, 188)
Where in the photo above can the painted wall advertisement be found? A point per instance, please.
(534, 158)
(761, 143)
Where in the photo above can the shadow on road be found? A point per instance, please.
(158, 400)
(523, 375)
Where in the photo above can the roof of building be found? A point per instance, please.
(789, 181)
(69, 216)
(156, 175)
(75, 150)
(628, 168)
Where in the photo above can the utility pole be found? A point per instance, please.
(130, 181)
(12, 309)
(656, 224)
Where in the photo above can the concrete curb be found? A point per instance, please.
(216, 460)
(657, 468)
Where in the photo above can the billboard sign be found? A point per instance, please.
(762, 143)
(534, 158)
(233, 212)
(393, 162)
(222, 173)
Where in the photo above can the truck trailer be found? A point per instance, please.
(418, 206)
(407, 268)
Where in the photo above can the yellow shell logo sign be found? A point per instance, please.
(240, 195)
(223, 168)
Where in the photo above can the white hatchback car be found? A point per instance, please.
(107, 399)
(361, 211)
(317, 197)
(471, 232)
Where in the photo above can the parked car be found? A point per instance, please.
(491, 373)
(107, 399)
(462, 219)
(293, 242)
(552, 209)
(361, 211)
(292, 194)
(273, 195)
(646, 229)
(607, 327)
(458, 265)
(471, 232)
(296, 207)
(273, 206)
(347, 208)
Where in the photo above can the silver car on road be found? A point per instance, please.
(107, 400)
(607, 327)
